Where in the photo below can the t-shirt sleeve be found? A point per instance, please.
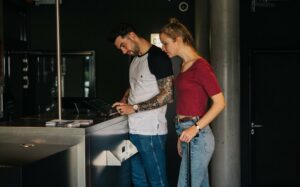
(160, 64)
(208, 79)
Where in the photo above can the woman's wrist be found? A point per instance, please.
(197, 127)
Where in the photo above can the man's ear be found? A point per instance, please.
(132, 36)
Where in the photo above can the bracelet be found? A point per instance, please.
(197, 126)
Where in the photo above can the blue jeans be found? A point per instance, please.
(149, 164)
(201, 150)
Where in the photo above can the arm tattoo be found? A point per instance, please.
(165, 95)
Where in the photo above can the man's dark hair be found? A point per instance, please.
(121, 30)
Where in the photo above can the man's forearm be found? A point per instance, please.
(164, 97)
(125, 96)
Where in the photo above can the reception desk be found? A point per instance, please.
(85, 156)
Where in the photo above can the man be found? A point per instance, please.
(151, 84)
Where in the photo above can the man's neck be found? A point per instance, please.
(144, 46)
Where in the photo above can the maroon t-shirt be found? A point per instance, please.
(194, 87)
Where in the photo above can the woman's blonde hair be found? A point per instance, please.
(175, 29)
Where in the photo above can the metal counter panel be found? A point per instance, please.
(64, 157)
(46, 141)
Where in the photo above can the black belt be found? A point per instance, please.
(188, 118)
(185, 119)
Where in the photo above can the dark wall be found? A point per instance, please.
(86, 24)
(10, 177)
(1, 59)
(270, 24)
(14, 24)
(14, 38)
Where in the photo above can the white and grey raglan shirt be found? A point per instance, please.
(144, 72)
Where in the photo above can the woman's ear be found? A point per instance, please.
(178, 39)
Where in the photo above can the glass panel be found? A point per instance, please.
(35, 76)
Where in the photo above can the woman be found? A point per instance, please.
(194, 85)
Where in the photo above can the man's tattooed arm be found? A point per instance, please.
(165, 95)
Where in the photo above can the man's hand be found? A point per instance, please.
(123, 108)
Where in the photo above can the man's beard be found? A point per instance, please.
(136, 50)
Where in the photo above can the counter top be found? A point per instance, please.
(26, 140)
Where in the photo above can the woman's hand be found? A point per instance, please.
(188, 134)
(179, 148)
